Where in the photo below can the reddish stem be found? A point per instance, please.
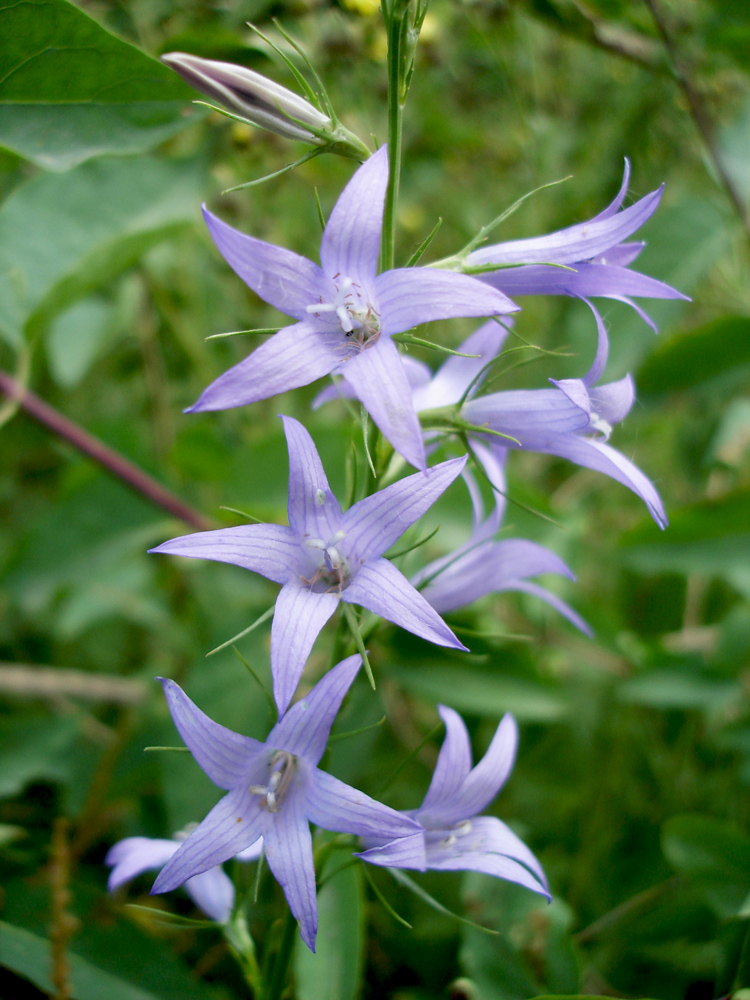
(125, 470)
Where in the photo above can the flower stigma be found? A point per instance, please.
(333, 568)
(359, 320)
(283, 766)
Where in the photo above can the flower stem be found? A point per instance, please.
(283, 959)
(394, 17)
(242, 947)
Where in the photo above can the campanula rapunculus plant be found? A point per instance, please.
(596, 261)
(454, 837)
(275, 790)
(483, 565)
(212, 891)
(325, 556)
(346, 312)
(573, 420)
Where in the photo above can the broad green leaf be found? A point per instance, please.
(714, 855)
(692, 358)
(31, 957)
(334, 972)
(61, 236)
(70, 90)
(75, 339)
(712, 538)
(36, 748)
(670, 689)
(484, 692)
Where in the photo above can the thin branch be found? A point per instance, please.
(135, 478)
(698, 111)
(22, 680)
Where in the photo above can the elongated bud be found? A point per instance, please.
(254, 98)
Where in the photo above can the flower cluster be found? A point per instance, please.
(326, 558)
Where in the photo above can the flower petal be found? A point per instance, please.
(497, 838)
(575, 243)
(455, 376)
(453, 763)
(381, 588)
(224, 755)
(527, 414)
(554, 602)
(304, 729)
(251, 853)
(269, 549)
(375, 523)
(212, 891)
(379, 380)
(619, 198)
(455, 858)
(299, 616)
(332, 805)
(280, 277)
(486, 778)
(406, 852)
(488, 567)
(586, 281)
(351, 240)
(410, 296)
(602, 458)
(290, 858)
(295, 356)
(314, 511)
(135, 855)
(232, 825)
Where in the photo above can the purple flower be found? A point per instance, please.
(481, 565)
(574, 421)
(211, 891)
(594, 251)
(346, 313)
(454, 837)
(275, 790)
(326, 555)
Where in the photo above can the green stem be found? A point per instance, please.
(394, 19)
(283, 959)
(242, 947)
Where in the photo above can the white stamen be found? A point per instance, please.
(601, 425)
(448, 841)
(461, 829)
(320, 498)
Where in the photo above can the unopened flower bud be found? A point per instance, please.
(254, 98)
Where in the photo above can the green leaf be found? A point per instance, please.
(34, 748)
(70, 90)
(75, 339)
(30, 957)
(677, 689)
(484, 692)
(714, 855)
(334, 972)
(692, 358)
(61, 236)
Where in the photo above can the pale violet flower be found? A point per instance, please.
(326, 555)
(346, 313)
(593, 250)
(274, 791)
(250, 95)
(574, 420)
(454, 836)
(483, 565)
(211, 891)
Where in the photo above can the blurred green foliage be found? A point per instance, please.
(633, 773)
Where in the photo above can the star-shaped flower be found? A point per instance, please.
(483, 565)
(212, 891)
(454, 837)
(574, 421)
(346, 313)
(593, 250)
(275, 790)
(326, 555)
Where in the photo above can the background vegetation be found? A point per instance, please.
(632, 778)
